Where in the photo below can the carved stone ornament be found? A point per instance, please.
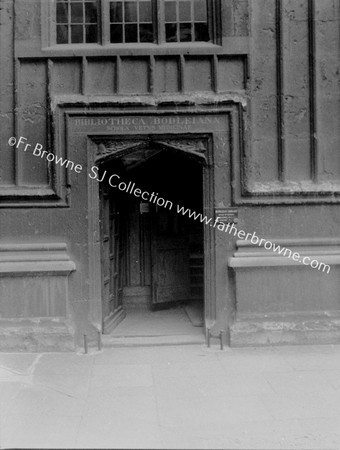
(117, 148)
(194, 146)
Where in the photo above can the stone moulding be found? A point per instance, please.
(19, 259)
(251, 255)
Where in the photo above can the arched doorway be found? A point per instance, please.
(152, 251)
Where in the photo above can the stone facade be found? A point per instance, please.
(263, 99)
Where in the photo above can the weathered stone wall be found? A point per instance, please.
(295, 96)
(278, 62)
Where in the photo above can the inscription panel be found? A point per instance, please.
(226, 215)
(147, 124)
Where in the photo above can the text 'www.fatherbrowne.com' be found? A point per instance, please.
(230, 228)
(153, 197)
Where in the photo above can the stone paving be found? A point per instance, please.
(172, 397)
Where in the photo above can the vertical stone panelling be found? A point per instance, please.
(234, 15)
(227, 19)
(101, 76)
(34, 297)
(263, 162)
(56, 303)
(327, 67)
(134, 75)
(230, 74)
(67, 76)
(32, 120)
(304, 292)
(198, 74)
(296, 103)
(6, 88)
(28, 22)
(166, 74)
(241, 17)
(295, 91)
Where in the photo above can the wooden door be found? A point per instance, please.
(112, 256)
(170, 258)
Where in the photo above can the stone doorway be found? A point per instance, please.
(152, 252)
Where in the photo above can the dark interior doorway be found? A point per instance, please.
(152, 255)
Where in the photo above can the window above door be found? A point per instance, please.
(120, 22)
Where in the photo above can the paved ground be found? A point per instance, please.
(145, 327)
(157, 323)
(173, 397)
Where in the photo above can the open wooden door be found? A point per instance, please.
(112, 259)
(170, 259)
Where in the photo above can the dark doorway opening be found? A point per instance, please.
(152, 253)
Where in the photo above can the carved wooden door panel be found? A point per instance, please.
(170, 259)
(112, 255)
